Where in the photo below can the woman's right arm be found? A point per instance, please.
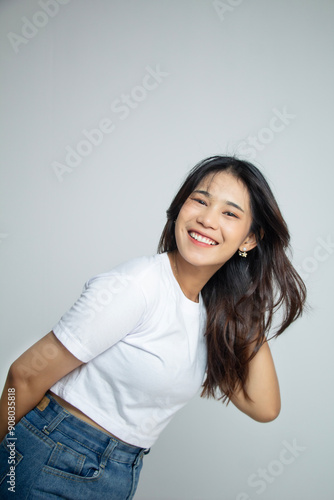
(32, 374)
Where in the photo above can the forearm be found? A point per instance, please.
(30, 385)
(16, 401)
(262, 387)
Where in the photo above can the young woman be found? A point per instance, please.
(92, 396)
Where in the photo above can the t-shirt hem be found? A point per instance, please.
(91, 412)
(71, 343)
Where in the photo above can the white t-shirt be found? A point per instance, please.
(143, 344)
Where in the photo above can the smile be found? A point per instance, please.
(202, 239)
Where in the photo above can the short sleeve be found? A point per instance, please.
(110, 307)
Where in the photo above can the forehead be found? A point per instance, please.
(223, 183)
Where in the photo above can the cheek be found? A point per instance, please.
(187, 211)
(181, 218)
(233, 233)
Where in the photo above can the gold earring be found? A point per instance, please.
(244, 253)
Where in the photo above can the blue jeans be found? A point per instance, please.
(59, 456)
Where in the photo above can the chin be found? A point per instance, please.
(197, 259)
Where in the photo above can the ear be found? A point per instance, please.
(249, 243)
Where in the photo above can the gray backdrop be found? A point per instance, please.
(105, 107)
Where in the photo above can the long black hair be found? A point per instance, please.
(242, 296)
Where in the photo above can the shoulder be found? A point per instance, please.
(140, 266)
(138, 270)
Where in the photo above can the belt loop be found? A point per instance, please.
(107, 452)
(140, 455)
(55, 422)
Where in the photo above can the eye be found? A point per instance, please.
(231, 214)
(199, 200)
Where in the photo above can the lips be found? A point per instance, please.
(202, 238)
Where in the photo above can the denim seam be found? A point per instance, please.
(71, 477)
(55, 422)
(79, 442)
(18, 458)
(61, 431)
(67, 436)
(134, 474)
(119, 461)
(80, 458)
(40, 414)
(31, 428)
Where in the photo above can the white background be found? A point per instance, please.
(227, 72)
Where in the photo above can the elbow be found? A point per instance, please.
(12, 375)
(269, 414)
(16, 376)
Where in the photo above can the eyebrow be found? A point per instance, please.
(209, 195)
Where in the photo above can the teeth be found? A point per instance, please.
(202, 239)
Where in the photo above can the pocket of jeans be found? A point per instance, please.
(9, 459)
(64, 459)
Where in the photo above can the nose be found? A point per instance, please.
(208, 218)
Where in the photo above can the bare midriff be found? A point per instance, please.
(82, 416)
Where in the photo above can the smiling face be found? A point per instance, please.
(214, 222)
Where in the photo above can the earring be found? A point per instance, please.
(244, 253)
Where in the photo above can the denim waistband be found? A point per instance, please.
(51, 415)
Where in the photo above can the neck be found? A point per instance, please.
(190, 278)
